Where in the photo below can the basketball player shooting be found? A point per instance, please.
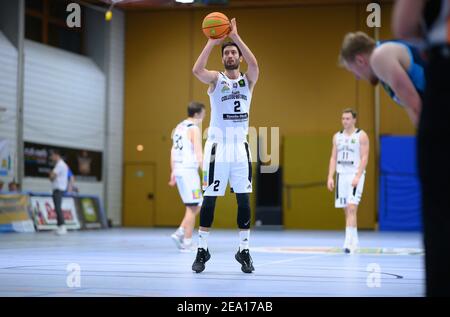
(230, 94)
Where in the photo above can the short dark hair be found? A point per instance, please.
(55, 151)
(350, 110)
(226, 44)
(194, 107)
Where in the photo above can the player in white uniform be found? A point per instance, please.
(227, 155)
(349, 158)
(186, 158)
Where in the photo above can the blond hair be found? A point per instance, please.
(355, 43)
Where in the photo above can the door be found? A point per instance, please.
(139, 185)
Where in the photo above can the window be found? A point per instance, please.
(45, 22)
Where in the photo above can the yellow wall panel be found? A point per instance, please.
(156, 95)
(312, 208)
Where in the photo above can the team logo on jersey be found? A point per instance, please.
(242, 83)
(235, 85)
(225, 89)
(353, 141)
(196, 194)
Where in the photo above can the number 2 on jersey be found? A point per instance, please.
(237, 106)
(216, 186)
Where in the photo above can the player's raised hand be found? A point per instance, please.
(215, 42)
(233, 33)
(330, 184)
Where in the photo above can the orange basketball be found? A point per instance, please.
(216, 25)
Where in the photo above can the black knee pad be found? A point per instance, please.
(243, 215)
(207, 211)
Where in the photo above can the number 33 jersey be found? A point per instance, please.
(183, 154)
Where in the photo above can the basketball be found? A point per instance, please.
(216, 25)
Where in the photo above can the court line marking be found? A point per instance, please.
(335, 250)
(294, 259)
(239, 277)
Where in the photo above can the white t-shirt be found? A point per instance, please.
(61, 171)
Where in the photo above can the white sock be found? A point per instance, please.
(348, 236)
(354, 235)
(187, 241)
(203, 239)
(180, 231)
(244, 237)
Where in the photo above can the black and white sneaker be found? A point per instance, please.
(244, 258)
(202, 257)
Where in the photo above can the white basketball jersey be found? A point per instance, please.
(183, 154)
(348, 152)
(230, 109)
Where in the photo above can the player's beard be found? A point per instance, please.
(374, 81)
(231, 66)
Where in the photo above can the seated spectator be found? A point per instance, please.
(13, 187)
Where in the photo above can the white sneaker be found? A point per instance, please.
(353, 246)
(346, 246)
(61, 230)
(188, 247)
(178, 240)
